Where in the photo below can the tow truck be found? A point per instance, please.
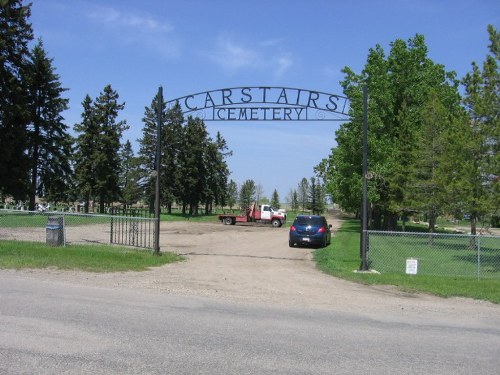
(264, 214)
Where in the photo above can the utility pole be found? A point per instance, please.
(156, 250)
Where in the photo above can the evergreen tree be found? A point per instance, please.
(480, 162)
(426, 192)
(97, 164)
(247, 194)
(192, 165)
(232, 194)
(315, 197)
(275, 199)
(147, 151)
(85, 155)
(293, 200)
(49, 141)
(217, 172)
(129, 175)
(106, 157)
(171, 144)
(15, 34)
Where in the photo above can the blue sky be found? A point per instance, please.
(190, 46)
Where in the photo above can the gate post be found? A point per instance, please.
(364, 219)
(156, 250)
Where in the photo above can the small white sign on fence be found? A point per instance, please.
(411, 266)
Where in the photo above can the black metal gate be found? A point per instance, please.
(132, 227)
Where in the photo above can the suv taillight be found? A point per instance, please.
(322, 230)
(292, 229)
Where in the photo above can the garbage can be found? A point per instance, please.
(55, 231)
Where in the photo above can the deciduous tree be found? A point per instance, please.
(399, 86)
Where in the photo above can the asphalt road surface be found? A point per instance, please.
(52, 327)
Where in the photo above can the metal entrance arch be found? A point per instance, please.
(266, 103)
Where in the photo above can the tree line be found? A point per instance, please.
(39, 158)
(433, 138)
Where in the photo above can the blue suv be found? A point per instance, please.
(310, 230)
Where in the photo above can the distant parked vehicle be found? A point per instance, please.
(311, 230)
(263, 214)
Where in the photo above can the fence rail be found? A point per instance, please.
(76, 228)
(458, 255)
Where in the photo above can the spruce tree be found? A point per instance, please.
(85, 153)
(192, 166)
(315, 197)
(232, 194)
(129, 175)
(172, 136)
(15, 34)
(247, 194)
(147, 151)
(481, 162)
(217, 172)
(106, 156)
(425, 193)
(275, 199)
(49, 141)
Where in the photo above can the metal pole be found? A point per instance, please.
(478, 257)
(158, 165)
(364, 223)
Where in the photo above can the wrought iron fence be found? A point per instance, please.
(458, 255)
(59, 228)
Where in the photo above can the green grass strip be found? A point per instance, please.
(341, 258)
(92, 258)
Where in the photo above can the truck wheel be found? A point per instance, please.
(276, 223)
(228, 221)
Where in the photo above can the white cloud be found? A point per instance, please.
(140, 30)
(114, 18)
(229, 55)
(265, 55)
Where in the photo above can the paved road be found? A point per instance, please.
(52, 327)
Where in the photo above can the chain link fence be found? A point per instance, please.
(457, 255)
(58, 228)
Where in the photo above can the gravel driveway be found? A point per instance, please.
(254, 265)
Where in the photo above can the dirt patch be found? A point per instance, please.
(254, 264)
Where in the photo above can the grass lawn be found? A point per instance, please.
(20, 219)
(440, 255)
(341, 258)
(92, 258)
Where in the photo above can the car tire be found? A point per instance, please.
(290, 243)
